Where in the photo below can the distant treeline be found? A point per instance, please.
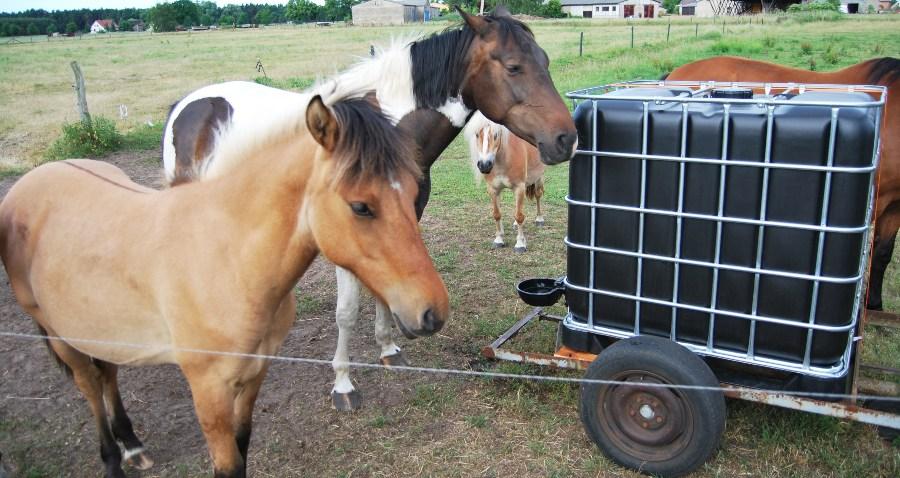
(163, 17)
(186, 13)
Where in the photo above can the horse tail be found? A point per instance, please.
(534, 190)
(665, 75)
(883, 71)
(62, 365)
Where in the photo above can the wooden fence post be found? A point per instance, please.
(696, 30)
(581, 44)
(632, 36)
(668, 31)
(80, 94)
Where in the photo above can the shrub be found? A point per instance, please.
(806, 48)
(768, 41)
(85, 139)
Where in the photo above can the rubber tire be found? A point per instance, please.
(675, 364)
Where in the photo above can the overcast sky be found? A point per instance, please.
(49, 5)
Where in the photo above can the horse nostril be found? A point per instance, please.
(430, 322)
(565, 141)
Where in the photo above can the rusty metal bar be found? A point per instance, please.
(884, 319)
(819, 407)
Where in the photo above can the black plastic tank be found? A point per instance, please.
(800, 135)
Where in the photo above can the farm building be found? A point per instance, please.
(612, 8)
(392, 12)
(103, 26)
(697, 8)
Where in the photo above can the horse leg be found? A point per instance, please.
(214, 402)
(390, 352)
(520, 219)
(344, 396)
(882, 251)
(495, 203)
(538, 192)
(89, 379)
(243, 413)
(122, 429)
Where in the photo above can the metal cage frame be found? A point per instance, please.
(772, 96)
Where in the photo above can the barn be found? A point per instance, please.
(612, 8)
(392, 12)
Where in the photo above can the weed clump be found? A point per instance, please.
(85, 139)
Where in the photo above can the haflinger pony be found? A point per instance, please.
(879, 71)
(506, 162)
(431, 87)
(117, 274)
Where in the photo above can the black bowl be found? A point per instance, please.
(540, 292)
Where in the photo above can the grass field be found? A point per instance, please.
(450, 427)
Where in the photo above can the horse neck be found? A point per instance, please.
(262, 197)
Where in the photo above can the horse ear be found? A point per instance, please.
(501, 11)
(322, 123)
(476, 23)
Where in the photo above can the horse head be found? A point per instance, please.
(509, 82)
(361, 215)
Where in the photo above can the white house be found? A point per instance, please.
(697, 8)
(392, 12)
(103, 26)
(612, 8)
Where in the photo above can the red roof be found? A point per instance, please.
(106, 23)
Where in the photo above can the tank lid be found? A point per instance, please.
(733, 93)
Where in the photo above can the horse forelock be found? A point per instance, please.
(884, 71)
(369, 146)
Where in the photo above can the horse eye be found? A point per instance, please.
(514, 69)
(361, 209)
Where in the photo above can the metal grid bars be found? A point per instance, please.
(808, 334)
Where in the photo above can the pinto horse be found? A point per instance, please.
(114, 273)
(506, 162)
(880, 71)
(431, 87)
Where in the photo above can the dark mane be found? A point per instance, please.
(369, 146)
(883, 71)
(440, 60)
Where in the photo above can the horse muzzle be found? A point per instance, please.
(560, 149)
(485, 166)
(429, 324)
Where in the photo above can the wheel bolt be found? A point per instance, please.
(645, 425)
(658, 419)
(631, 412)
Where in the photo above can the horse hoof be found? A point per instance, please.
(539, 223)
(394, 360)
(346, 402)
(138, 459)
(520, 249)
(498, 245)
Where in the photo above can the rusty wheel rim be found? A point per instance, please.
(647, 422)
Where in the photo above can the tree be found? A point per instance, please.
(553, 9)
(51, 29)
(205, 19)
(71, 28)
(302, 10)
(243, 19)
(14, 30)
(264, 16)
(126, 25)
(163, 18)
(32, 29)
(186, 11)
(671, 6)
(226, 20)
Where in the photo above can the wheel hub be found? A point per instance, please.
(648, 419)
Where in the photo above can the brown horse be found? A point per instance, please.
(506, 162)
(118, 274)
(430, 86)
(881, 71)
